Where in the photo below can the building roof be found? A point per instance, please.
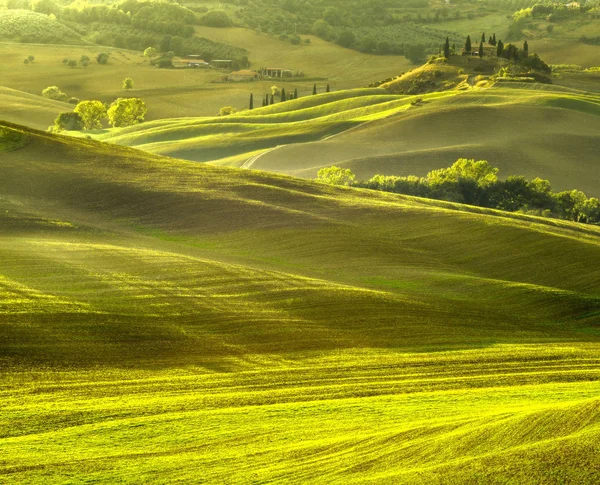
(245, 72)
(278, 69)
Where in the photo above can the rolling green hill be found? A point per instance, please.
(165, 321)
(550, 131)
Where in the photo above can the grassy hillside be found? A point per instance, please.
(32, 110)
(171, 93)
(533, 130)
(164, 320)
(28, 26)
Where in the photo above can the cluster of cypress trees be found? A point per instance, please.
(269, 99)
(509, 52)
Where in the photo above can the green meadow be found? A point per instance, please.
(172, 93)
(167, 321)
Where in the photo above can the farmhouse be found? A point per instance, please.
(276, 72)
(190, 61)
(243, 75)
(222, 63)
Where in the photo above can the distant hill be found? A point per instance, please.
(27, 26)
(524, 129)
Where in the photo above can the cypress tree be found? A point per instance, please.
(525, 49)
(251, 101)
(283, 97)
(468, 44)
(447, 48)
(483, 37)
(296, 93)
(494, 39)
(315, 89)
(481, 49)
(272, 99)
(327, 90)
(499, 48)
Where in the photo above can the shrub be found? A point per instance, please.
(70, 121)
(336, 176)
(227, 110)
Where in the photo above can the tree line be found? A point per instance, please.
(476, 183)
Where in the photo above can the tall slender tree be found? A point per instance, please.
(525, 49)
(500, 48)
(267, 100)
(272, 99)
(483, 37)
(251, 104)
(468, 45)
(296, 93)
(315, 89)
(481, 49)
(447, 48)
(283, 96)
(327, 89)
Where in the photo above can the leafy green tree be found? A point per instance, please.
(92, 113)
(70, 121)
(447, 48)
(72, 63)
(468, 44)
(30, 58)
(216, 18)
(127, 84)
(84, 58)
(571, 204)
(415, 53)
(26, 61)
(102, 58)
(127, 112)
(346, 38)
(51, 92)
(150, 52)
(336, 176)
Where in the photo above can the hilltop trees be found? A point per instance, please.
(468, 46)
(476, 183)
(447, 48)
(499, 49)
(91, 113)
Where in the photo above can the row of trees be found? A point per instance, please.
(88, 115)
(476, 183)
(283, 96)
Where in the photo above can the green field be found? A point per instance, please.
(171, 93)
(165, 321)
